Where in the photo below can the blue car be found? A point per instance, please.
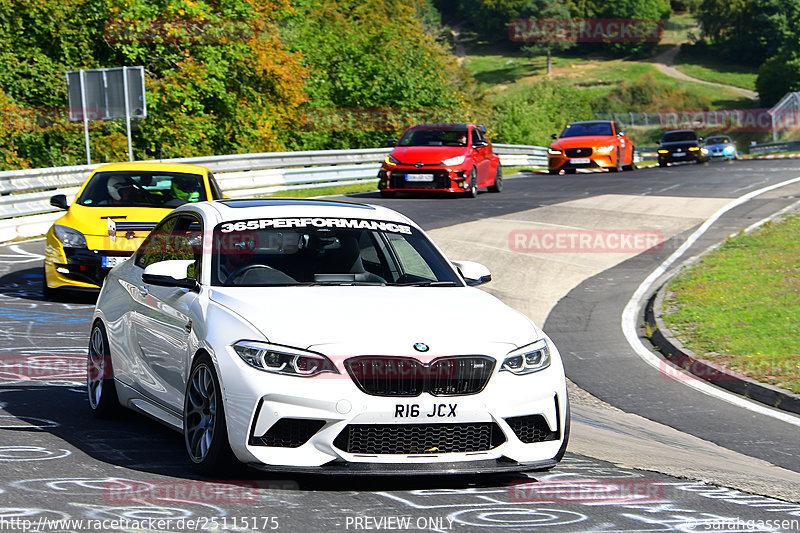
(721, 147)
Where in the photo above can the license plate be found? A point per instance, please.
(111, 261)
(678, 154)
(419, 177)
(580, 161)
(432, 411)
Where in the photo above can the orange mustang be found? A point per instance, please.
(590, 144)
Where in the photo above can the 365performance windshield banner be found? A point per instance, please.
(280, 223)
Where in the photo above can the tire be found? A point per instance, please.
(553, 171)
(205, 433)
(100, 386)
(662, 165)
(632, 166)
(617, 166)
(498, 180)
(388, 194)
(570, 171)
(472, 192)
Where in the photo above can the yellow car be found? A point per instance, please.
(112, 214)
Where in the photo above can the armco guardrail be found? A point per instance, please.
(25, 208)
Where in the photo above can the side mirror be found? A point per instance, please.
(473, 273)
(172, 273)
(700, 139)
(554, 136)
(391, 142)
(59, 201)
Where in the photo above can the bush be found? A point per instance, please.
(646, 94)
(776, 77)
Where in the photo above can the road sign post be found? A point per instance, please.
(106, 93)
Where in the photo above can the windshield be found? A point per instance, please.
(130, 188)
(325, 251)
(582, 129)
(428, 137)
(677, 136)
(718, 140)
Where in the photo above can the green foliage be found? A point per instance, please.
(751, 30)
(489, 18)
(547, 9)
(532, 114)
(647, 93)
(636, 9)
(225, 76)
(776, 77)
(373, 70)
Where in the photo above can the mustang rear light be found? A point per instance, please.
(453, 161)
(553, 151)
(283, 359)
(528, 359)
(69, 237)
(604, 149)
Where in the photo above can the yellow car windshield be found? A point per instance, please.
(129, 188)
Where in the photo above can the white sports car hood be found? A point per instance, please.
(380, 320)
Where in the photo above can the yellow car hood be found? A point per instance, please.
(93, 221)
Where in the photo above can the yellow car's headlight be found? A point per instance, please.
(70, 238)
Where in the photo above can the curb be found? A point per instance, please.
(785, 156)
(673, 350)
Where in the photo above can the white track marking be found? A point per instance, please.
(630, 315)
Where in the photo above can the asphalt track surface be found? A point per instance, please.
(57, 462)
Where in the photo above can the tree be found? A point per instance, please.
(558, 13)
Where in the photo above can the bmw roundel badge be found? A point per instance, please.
(421, 347)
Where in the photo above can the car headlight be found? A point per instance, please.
(391, 161)
(728, 149)
(605, 149)
(69, 237)
(694, 148)
(553, 151)
(282, 359)
(528, 359)
(453, 161)
(663, 151)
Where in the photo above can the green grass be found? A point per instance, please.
(717, 72)
(740, 306)
(678, 28)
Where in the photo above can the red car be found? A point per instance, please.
(441, 157)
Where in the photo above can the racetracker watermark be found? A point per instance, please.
(533, 241)
(605, 491)
(207, 492)
(532, 30)
(741, 120)
(42, 368)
